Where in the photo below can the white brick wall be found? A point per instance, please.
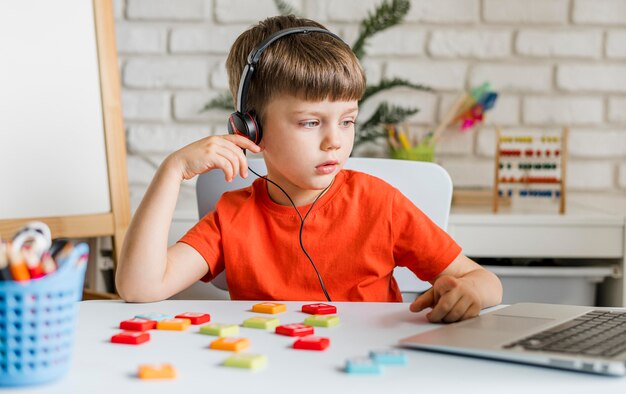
(229, 11)
(526, 11)
(616, 44)
(622, 176)
(146, 105)
(597, 143)
(168, 10)
(513, 77)
(163, 138)
(481, 44)
(558, 43)
(438, 75)
(212, 39)
(399, 40)
(600, 12)
(444, 11)
(592, 77)
(165, 73)
(617, 110)
(141, 39)
(590, 175)
(562, 110)
(554, 63)
(187, 109)
(347, 10)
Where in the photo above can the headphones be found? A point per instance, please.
(243, 122)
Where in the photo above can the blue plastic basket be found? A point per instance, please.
(37, 320)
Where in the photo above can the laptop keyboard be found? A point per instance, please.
(596, 334)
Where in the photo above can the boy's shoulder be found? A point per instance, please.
(357, 180)
(237, 197)
(362, 178)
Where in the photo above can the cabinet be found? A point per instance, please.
(591, 233)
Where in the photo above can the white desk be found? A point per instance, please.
(102, 367)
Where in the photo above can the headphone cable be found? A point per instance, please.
(302, 219)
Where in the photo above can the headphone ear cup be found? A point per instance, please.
(255, 131)
(246, 125)
(236, 124)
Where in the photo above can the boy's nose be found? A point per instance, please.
(332, 139)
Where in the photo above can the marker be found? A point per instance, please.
(17, 265)
(63, 254)
(392, 137)
(57, 246)
(47, 263)
(77, 255)
(33, 264)
(404, 141)
(5, 273)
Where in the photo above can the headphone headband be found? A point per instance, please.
(255, 56)
(244, 122)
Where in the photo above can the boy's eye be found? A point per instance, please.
(310, 123)
(347, 123)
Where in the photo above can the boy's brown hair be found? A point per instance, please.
(313, 66)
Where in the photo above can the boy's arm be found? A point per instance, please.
(147, 269)
(459, 292)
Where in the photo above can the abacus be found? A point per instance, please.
(530, 165)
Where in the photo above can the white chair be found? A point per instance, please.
(427, 185)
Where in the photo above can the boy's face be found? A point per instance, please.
(307, 143)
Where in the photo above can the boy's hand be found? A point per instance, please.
(218, 151)
(452, 299)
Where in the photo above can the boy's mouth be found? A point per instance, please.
(327, 167)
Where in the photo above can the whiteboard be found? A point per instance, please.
(52, 147)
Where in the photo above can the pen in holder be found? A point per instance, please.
(37, 319)
(400, 147)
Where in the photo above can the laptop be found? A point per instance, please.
(580, 338)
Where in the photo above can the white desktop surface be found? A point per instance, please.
(99, 366)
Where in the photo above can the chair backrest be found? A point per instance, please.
(427, 185)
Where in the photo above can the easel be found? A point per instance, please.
(115, 222)
(531, 155)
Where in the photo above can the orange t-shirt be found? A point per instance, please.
(356, 233)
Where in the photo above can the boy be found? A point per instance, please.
(304, 91)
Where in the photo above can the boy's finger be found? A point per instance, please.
(243, 143)
(445, 304)
(241, 159)
(458, 310)
(233, 160)
(224, 164)
(446, 284)
(422, 302)
(472, 311)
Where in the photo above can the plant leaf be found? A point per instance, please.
(386, 114)
(223, 101)
(388, 13)
(386, 84)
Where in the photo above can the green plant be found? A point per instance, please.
(387, 14)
